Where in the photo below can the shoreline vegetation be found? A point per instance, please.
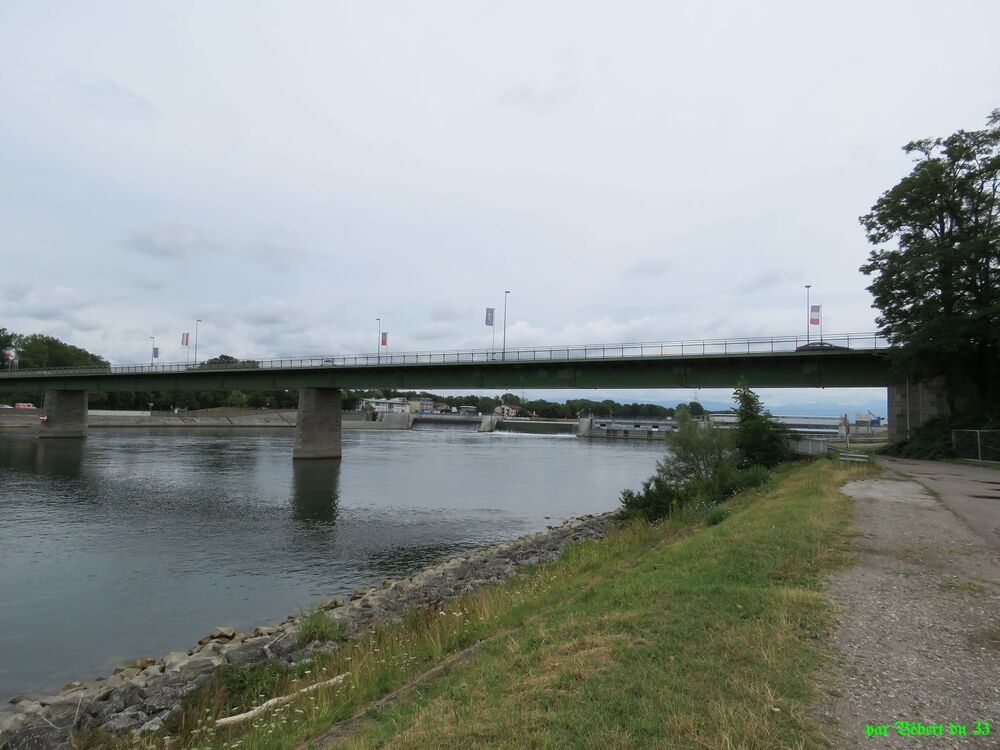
(690, 631)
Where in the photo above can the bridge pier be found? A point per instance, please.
(65, 414)
(317, 428)
(913, 404)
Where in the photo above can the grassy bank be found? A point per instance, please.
(673, 635)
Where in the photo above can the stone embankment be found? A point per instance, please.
(140, 696)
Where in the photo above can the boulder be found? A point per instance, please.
(226, 633)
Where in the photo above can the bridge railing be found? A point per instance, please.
(649, 349)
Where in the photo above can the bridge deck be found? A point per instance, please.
(766, 362)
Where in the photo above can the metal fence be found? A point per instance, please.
(980, 445)
(649, 349)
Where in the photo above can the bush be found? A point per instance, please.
(716, 515)
(706, 465)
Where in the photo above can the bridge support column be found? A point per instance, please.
(913, 404)
(65, 414)
(317, 429)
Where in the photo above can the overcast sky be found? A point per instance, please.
(288, 172)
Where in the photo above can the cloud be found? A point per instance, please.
(646, 268)
(49, 306)
(109, 98)
(168, 241)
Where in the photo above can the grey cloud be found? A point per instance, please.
(168, 241)
(647, 267)
(444, 313)
(764, 280)
(543, 97)
(108, 97)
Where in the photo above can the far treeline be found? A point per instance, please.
(36, 350)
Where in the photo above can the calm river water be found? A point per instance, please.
(135, 543)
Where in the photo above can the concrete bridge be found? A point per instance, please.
(844, 360)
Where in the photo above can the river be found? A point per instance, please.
(136, 542)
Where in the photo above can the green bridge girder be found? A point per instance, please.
(812, 369)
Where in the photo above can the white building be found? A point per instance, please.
(805, 426)
(385, 405)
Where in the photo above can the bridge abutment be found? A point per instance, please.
(317, 429)
(913, 404)
(65, 414)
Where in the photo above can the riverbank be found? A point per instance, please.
(144, 694)
(670, 634)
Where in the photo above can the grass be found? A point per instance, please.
(672, 635)
(316, 626)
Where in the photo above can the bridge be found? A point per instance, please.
(842, 360)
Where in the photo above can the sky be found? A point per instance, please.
(290, 172)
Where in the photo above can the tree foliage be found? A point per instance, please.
(936, 265)
(37, 350)
(759, 439)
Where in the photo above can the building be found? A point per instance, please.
(801, 426)
(385, 405)
(507, 410)
(422, 406)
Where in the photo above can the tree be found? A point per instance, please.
(937, 264)
(37, 350)
(760, 440)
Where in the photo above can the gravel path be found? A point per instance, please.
(919, 633)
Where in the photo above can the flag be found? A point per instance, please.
(385, 339)
(489, 316)
(185, 339)
(156, 352)
(814, 315)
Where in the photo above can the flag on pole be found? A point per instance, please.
(489, 316)
(814, 312)
(185, 339)
(156, 352)
(385, 339)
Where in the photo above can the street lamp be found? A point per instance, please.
(506, 292)
(378, 341)
(196, 340)
(152, 348)
(807, 312)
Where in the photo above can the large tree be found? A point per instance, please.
(937, 264)
(37, 350)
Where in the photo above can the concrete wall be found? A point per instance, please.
(913, 404)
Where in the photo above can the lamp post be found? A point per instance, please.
(807, 312)
(152, 348)
(196, 340)
(506, 292)
(378, 341)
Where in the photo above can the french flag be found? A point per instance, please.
(185, 339)
(814, 315)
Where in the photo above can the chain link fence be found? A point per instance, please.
(980, 445)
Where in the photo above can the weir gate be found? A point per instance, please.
(843, 360)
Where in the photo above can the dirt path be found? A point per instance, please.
(973, 492)
(919, 635)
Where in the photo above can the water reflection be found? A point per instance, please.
(59, 457)
(316, 490)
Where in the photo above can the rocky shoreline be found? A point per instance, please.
(139, 697)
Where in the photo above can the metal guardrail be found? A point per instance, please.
(690, 348)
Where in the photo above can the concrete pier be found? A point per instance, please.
(317, 427)
(65, 414)
(913, 404)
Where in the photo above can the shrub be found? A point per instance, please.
(716, 515)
